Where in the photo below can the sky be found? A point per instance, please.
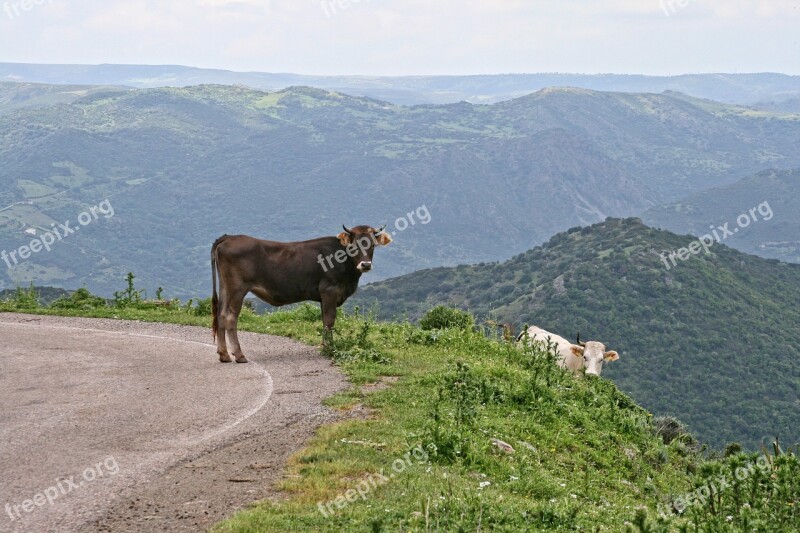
(407, 37)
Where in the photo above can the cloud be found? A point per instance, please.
(261, 7)
(412, 36)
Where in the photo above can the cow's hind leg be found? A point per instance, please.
(222, 347)
(231, 313)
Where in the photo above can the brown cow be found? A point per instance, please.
(324, 270)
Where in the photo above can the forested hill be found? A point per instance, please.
(714, 340)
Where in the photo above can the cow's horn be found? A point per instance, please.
(380, 230)
(347, 230)
(583, 344)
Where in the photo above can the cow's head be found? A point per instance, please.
(360, 243)
(594, 354)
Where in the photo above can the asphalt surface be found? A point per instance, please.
(110, 425)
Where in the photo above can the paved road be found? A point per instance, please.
(112, 425)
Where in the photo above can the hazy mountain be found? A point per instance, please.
(409, 90)
(19, 95)
(787, 105)
(181, 166)
(713, 340)
(776, 235)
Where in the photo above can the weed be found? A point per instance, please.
(128, 296)
(25, 299)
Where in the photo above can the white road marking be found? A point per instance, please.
(268, 385)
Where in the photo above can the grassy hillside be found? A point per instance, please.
(576, 453)
(713, 340)
(183, 166)
(778, 237)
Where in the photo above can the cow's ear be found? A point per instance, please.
(383, 238)
(345, 238)
(577, 351)
(611, 356)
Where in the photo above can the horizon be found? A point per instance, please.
(351, 75)
(410, 38)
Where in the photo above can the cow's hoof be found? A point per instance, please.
(241, 359)
(224, 358)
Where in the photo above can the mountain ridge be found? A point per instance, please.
(182, 166)
(409, 90)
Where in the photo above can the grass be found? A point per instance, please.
(428, 458)
(457, 390)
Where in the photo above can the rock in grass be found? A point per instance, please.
(503, 446)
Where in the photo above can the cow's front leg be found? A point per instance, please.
(328, 320)
(237, 350)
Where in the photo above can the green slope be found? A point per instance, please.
(714, 340)
(182, 166)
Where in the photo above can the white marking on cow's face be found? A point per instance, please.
(593, 357)
(364, 266)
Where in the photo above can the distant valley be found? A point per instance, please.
(778, 237)
(180, 166)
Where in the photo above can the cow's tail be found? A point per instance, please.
(214, 298)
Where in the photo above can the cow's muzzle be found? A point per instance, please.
(364, 266)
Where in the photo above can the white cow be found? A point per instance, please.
(589, 355)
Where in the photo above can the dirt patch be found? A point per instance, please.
(382, 384)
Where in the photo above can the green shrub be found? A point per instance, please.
(670, 428)
(203, 307)
(305, 312)
(353, 344)
(442, 317)
(24, 298)
(80, 299)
